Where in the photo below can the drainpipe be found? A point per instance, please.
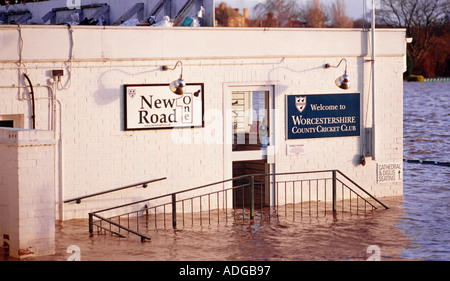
(59, 165)
(373, 84)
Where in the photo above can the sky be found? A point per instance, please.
(354, 7)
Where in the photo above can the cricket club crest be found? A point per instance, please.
(132, 92)
(300, 103)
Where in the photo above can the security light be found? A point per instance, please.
(177, 86)
(343, 81)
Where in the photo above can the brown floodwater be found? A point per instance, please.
(292, 236)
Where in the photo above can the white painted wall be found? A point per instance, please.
(94, 153)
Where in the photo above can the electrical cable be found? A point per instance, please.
(33, 115)
(70, 62)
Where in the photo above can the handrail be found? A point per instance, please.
(171, 194)
(144, 185)
(143, 237)
(322, 171)
(179, 192)
(362, 189)
(242, 177)
(173, 199)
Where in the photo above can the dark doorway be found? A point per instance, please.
(242, 195)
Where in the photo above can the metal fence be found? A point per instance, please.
(290, 195)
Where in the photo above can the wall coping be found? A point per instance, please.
(26, 137)
(54, 43)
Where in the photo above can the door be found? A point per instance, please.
(252, 135)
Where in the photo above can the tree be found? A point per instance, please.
(422, 20)
(277, 13)
(287, 13)
(315, 14)
(436, 60)
(340, 18)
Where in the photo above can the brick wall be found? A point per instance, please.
(94, 153)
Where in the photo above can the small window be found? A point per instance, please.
(12, 121)
(7, 123)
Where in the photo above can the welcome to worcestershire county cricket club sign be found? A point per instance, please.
(323, 116)
(157, 107)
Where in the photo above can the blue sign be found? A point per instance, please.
(323, 116)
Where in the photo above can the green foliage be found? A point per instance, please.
(409, 64)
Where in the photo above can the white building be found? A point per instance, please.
(109, 118)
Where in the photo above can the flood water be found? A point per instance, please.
(416, 227)
(342, 236)
(426, 217)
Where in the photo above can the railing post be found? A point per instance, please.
(174, 211)
(252, 197)
(91, 223)
(146, 212)
(334, 190)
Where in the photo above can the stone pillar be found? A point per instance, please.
(27, 188)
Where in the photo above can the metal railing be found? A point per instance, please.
(327, 191)
(332, 193)
(144, 185)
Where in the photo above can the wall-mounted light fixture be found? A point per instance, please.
(343, 81)
(177, 86)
